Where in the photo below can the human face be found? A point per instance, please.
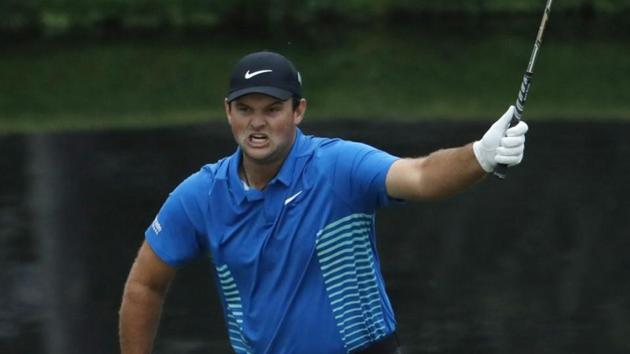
(264, 127)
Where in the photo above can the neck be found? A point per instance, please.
(258, 175)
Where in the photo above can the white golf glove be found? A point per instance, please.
(501, 144)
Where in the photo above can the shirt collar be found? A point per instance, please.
(233, 178)
(285, 175)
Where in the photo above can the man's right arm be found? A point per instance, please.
(142, 301)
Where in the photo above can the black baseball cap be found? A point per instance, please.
(267, 73)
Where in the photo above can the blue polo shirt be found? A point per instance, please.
(296, 263)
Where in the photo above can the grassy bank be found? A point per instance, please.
(373, 74)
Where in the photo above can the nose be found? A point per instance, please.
(258, 122)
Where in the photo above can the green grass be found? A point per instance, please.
(363, 74)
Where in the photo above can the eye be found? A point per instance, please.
(242, 109)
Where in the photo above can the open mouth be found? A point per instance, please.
(258, 139)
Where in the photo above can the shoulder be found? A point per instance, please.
(325, 145)
(335, 156)
(200, 182)
(335, 148)
(335, 153)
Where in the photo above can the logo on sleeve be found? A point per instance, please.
(157, 228)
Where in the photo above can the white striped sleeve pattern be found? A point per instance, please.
(347, 262)
(233, 310)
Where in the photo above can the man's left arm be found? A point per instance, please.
(449, 171)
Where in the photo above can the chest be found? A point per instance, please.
(272, 232)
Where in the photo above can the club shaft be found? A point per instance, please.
(501, 169)
(539, 37)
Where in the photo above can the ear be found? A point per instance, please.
(228, 112)
(298, 113)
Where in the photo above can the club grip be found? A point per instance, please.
(501, 170)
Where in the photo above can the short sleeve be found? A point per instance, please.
(360, 171)
(177, 234)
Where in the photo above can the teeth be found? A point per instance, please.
(258, 138)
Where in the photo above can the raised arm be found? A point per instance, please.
(142, 301)
(442, 173)
(447, 172)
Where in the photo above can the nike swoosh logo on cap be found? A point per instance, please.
(249, 75)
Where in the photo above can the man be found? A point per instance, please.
(289, 222)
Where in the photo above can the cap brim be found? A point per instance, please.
(265, 90)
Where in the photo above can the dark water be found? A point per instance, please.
(539, 263)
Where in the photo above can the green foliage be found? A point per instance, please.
(19, 14)
(80, 15)
(367, 74)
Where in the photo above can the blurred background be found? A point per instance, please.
(106, 105)
(93, 64)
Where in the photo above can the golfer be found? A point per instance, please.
(288, 220)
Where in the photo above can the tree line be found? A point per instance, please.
(63, 16)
